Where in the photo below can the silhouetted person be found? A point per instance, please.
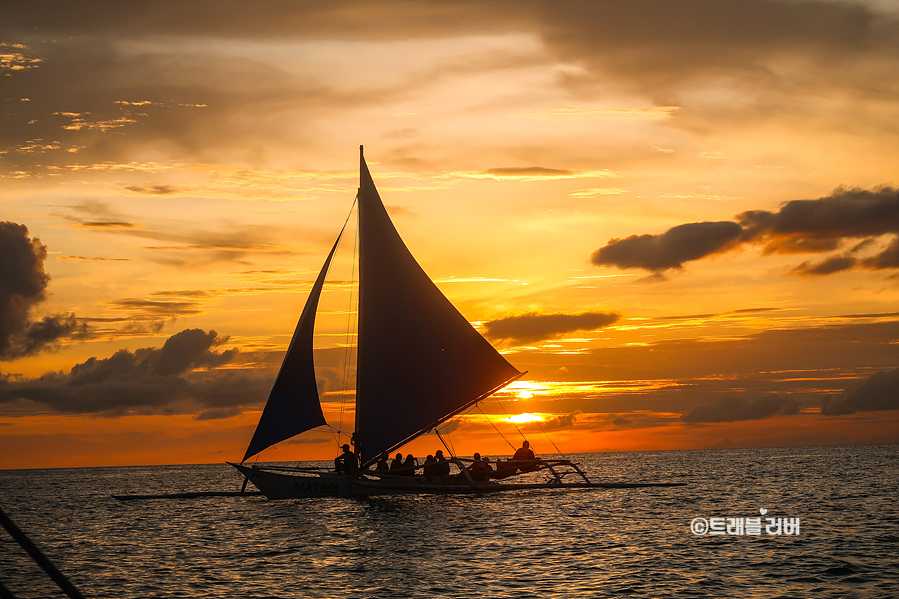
(442, 468)
(382, 464)
(524, 452)
(411, 464)
(479, 469)
(429, 465)
(396, 464)
(346, 462)
(525, 455)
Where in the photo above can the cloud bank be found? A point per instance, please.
(147, 380)
(826, 224)
(732, 408)
(532, 327)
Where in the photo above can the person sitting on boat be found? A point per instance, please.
(382, 464)
(346, 462)
(526, 455)
(409, 465)
(396, 464)
(480, 468)
(442, 468)
(429, 465)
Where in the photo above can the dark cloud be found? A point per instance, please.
(93, 259)
(218, 414)
(159, 190)
(107, 224)
(845, 214)
(528, 328)
(658, 45)
(23, 285)
(148, 380)
(559, 422)
(888, 258)
(156, 309)
(826, 267)
(530, 171)
(670, 249)
(731, 408)
(880, 391)
(126, 69)
(799, 226)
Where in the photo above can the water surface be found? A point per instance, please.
(598, 543)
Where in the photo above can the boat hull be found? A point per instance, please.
(298, 485)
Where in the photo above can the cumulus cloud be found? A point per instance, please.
(532, 327)
(880, 391)
(150, 380)
(845, 214)
(23, 285)
(799, 226)
(670, 249)
(731, 408)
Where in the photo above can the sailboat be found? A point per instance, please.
(419, 363)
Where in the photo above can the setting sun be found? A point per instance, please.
(522, 418)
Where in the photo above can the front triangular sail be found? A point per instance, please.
(293, 406)
(419, 360)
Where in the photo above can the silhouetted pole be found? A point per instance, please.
(39, 558)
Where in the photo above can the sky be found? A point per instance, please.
(680, 218)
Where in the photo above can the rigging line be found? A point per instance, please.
(496, 429)
(349, 323)
(558, 451)
(510, 419)
(439, 436)
(332, 430)
(451, 448)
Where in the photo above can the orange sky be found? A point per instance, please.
(680, 219)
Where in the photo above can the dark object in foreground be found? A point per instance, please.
(39, 558)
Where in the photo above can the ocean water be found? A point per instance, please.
(584, 543)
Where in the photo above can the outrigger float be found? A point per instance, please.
(419, 363)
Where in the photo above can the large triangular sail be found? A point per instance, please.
(293, 406)
(419, 360)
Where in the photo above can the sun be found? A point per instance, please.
(526, 417)
(525, 389)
